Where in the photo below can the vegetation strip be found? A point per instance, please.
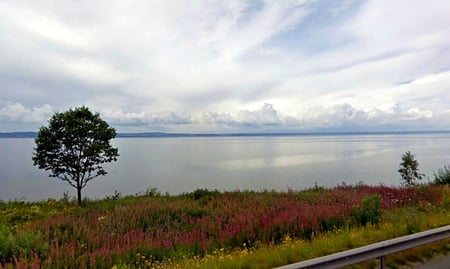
(152, 230)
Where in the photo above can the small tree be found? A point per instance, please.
(409, 169)
(74, 146)
(442, 177)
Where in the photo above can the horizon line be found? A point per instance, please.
(32, 134)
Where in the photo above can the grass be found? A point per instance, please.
(211, 229)
(394, 224)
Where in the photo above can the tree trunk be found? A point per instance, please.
(79, 195)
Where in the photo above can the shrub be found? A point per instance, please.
(442, 177)
(152, 192)
(116, 196)
(369, 211)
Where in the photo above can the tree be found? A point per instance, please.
(442, 177)
(409, 169)
(74, 147)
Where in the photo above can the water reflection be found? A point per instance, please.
(279, 161)
(294, 160)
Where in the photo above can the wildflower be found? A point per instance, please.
(287, 238)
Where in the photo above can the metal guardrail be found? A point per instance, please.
(377, 250)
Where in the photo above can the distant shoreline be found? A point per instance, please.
(180, 135)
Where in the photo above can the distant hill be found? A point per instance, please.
(167, 135)
(18, 135)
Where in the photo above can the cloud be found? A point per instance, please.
(383, 117)
(267, 115)
(338, 117)
(16, 112)
(341, 117)
(209, 65)
(150, 50)
(119, 117)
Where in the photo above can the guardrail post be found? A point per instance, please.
(382, 262)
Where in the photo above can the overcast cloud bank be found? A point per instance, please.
(228, 66)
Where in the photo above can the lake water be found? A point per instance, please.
(177, 165)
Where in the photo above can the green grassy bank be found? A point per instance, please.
(212, 229)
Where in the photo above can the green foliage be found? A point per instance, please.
(145, 231)
(116, 196)
(369, 212)
(203, 193)
(442, 177)
(17, 212)
(409, 170)
(312, 194)
(152, 192)
(74, 147)
(24, 245)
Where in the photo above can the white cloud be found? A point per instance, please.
(340, 117)
(211, 64)
(16, 112)
(383, 117)
(267, 115)
(145, 118)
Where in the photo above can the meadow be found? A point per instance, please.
(212, 229)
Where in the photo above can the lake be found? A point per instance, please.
(183, 164)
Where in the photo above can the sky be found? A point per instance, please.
(211, 66)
